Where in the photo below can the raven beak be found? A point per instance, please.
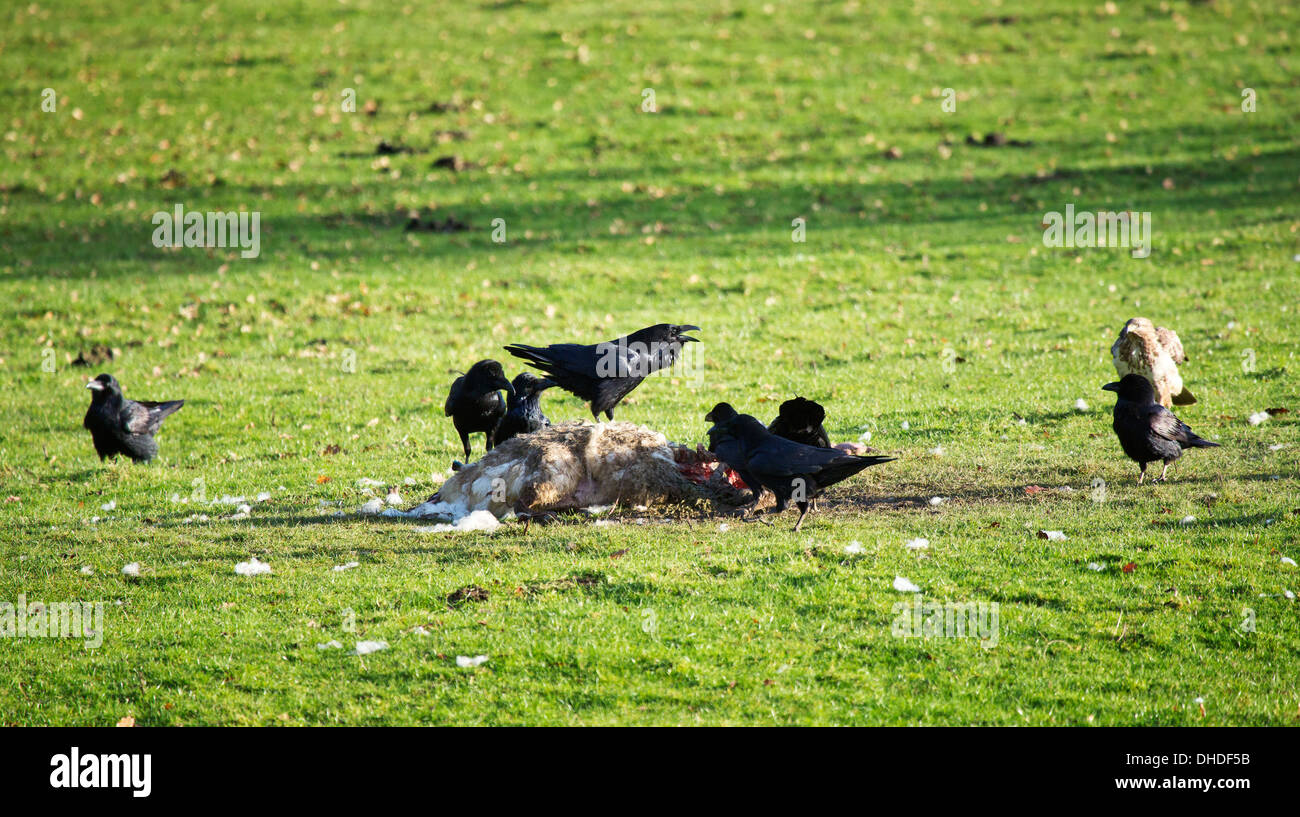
(1110, 387)
(505, 384)
(95, 385)
(687, 328)
(545, 383)
(709, 417)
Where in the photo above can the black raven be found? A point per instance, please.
(605, 373)
(800, 420)
(729, 449)
(1148, 431)
(121, 426)
(792, 471)
(474, 403)
(524, 407)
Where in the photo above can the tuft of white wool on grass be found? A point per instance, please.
(252, 567)
(367, 647)
(228, 500)
(1080, 405)
(87, 570)
(854, 549)
(348, 566)
(474, 521)
(111, 505)
(903, 585)
(1052, 535)
(917, 544)
(372, 508)
(935, 501)
(466, 661)
(1187, 520)
(330, 645)
(367, 482)
(1287, 560)
(1257, 418)
(1097, 566)
(393, 497)
(264, 496)
(132, 570)
(937, 451)
(905, 425)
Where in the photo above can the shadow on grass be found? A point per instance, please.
(572, 220)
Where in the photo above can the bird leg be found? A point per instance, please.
(464, 440)
(1143, 474)
(490, 441)
(1161, 478)
(803, 511)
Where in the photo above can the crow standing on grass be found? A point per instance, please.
(1148, 431)
(121, 426)
(800, 420)
(792, 471)
(474, 403)
(524, 407)
(604, 373)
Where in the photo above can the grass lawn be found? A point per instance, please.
(922, 307)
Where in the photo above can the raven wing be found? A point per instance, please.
(1164, 424)
(145, 416)
(453, 396)
(777, 456)
(563, 358)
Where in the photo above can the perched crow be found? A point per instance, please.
(121, 426)
(605, 373)
(474, 403)
(792, 471)
(1153, 352)
(800, 420)
(524, 407)
(729, 448)
(1147, 430)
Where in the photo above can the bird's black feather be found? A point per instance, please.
(474, 402)
(121, 426)
(604, 373)
(728, 448)
(524, 408)
(792, 471)
(800, 420)
(1147, 431)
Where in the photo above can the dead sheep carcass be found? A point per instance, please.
(578, 465)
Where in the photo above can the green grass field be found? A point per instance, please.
(616, 218)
